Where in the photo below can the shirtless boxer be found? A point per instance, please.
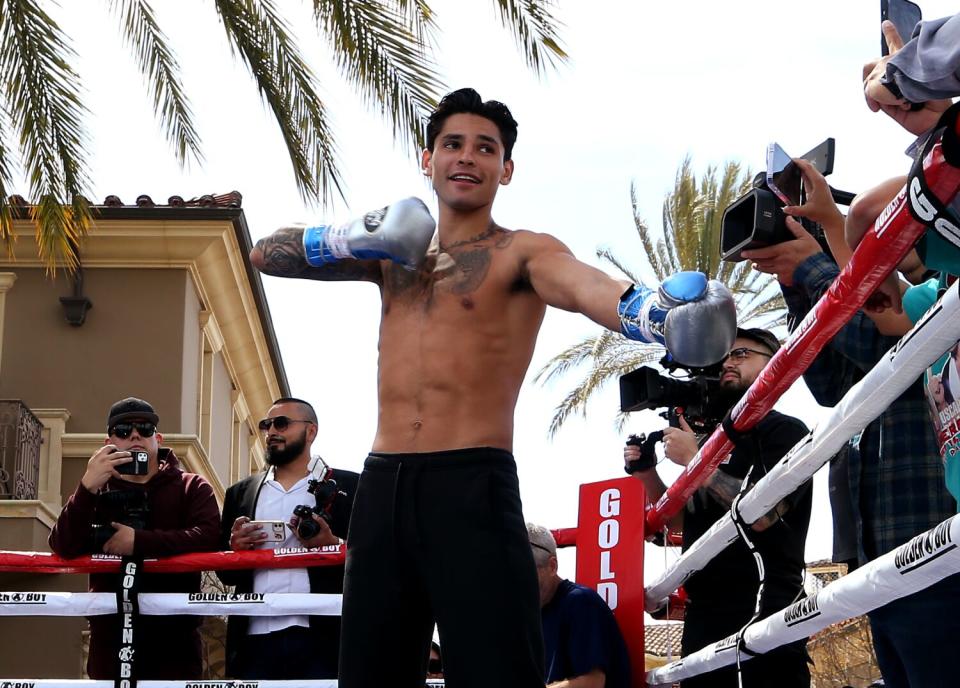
(437, 533)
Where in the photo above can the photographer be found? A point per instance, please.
(157, 511)
(722, 596)
(286, 647)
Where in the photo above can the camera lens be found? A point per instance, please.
(306, 528)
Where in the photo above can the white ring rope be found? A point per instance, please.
(926, 559)
(935, 333)
(162, 603)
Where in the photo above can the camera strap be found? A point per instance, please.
(128, 608)
(742, 528)
(923, 204)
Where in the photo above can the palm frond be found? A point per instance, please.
(262, 39)
(419, 15)
(535, 30)
(603, 370)
(607, 255)
(6, 177)
(160, 70)
(45, 108)
(643, 231)
(379, 53)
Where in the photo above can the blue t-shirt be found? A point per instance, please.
(580, 635)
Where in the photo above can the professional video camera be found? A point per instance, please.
(128, 507)
(756, 219)
(325, 491)
(698, 397)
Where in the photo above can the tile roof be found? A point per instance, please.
(663, 639)
(230, 199)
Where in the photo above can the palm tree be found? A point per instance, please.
(692, 215)
(383, 48)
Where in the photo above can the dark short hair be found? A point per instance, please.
(468, 101)
(760, 336)
(307, 406)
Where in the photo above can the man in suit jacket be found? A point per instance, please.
(285, 647)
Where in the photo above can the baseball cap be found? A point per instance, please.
(761, 336)
(129, 408)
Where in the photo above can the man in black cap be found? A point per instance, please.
(135, 500)
(722, 596)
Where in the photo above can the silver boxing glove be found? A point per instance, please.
(400, 232)
(693, 317)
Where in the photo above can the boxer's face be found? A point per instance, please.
(466, 163)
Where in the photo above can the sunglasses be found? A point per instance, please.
(124, 430)
(742, 353)
(281, 423)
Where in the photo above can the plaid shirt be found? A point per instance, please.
(895, 472)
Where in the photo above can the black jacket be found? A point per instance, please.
(241, 500)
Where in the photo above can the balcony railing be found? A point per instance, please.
(20, 437)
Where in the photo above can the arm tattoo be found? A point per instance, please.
(724, 488)
(281, 255)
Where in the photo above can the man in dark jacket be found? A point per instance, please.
(286, 647)
(157, 512)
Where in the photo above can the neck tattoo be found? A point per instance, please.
(485, 234)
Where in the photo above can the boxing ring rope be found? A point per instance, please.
(164, 603)
(882, 248)
(281, 558)
(913, 566)
(900, 367)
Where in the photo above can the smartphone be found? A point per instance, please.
(904, 14)
(783, 176)
(275, 530)
(139, 463)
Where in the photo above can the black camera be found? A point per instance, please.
(756, 219)
(128, 507)
(139, 465)
(325, 491)
(699, 398)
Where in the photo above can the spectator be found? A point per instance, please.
(584, 647)
(161, 512)
(896, 475)
(435, 663)
(722, 596)
(284, 647)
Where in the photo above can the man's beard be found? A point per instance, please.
(277, 455)
(729, 394)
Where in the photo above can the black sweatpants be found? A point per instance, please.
(440, 537)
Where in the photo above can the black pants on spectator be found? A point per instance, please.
(784, 667)
(291, 654)
(440, 537)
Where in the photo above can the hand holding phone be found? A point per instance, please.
(275, 530)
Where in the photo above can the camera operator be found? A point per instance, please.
(722, 596)
(158, 511)
(286, 647)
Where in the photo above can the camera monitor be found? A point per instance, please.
(756, 219)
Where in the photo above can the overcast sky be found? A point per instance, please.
(647, 84)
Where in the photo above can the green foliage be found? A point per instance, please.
(690, 240)
(383, 49)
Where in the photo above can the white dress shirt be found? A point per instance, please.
(277, 504)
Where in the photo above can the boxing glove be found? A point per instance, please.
(693, 317)
(400, 232)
